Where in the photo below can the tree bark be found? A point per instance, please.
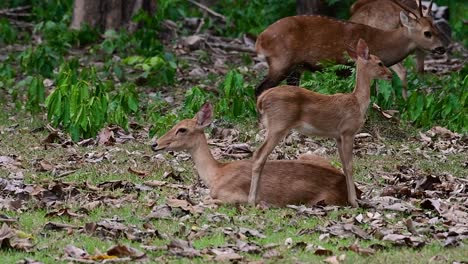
(109, 14)
(310, 7)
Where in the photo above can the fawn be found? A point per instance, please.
(338, 116)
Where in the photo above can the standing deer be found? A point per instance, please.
(297, 42)
(306, 181)
(338, 116)
(385, 14)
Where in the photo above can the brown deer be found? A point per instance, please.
(338, 116)
(385, 14)
(307, 181)
(293, 43)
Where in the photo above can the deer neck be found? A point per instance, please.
(207, 167)
(362, 88)
(392, 46)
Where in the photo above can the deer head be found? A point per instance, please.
(185, 134)
(374, 67)
(421, 28)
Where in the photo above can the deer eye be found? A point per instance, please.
(181, 130)
(427, 34)
(380, 64)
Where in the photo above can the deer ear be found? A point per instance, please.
(406, 20)
(362, 50)
(352, 54)
(204, 116)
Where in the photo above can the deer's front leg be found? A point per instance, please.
(259, 158)
(345, 150)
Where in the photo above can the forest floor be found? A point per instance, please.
(111, 199)
(91, 201)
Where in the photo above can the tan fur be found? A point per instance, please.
(306, 181)
(298, 42)
(385, 15)
(338, 116)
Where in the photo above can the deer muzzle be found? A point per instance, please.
(439, 50)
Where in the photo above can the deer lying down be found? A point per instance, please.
(338, 116)
(305, 42)
(307, 181)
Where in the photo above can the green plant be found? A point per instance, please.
(237, 99)
(8, 33)
(436, 100)
(58, 35)
(158, 70)
(194, 99)
(328, 82)
(82, 105)
(41, 59)
(6, 75)
(123, 103)
(35, 93)
(252, 16)
(445, 103)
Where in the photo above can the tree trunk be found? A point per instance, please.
(310, 7)
(109, 14)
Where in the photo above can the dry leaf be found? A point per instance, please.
(75, 252)
(138, 172)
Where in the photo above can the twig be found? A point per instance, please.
(202, 22)
(208, 10)
(65, 173)
(14, 9)
(21, 24)
(232, 47)
(8, 220)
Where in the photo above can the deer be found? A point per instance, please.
(384, 14)
(294, 43)
(338, 116)
(309, 180)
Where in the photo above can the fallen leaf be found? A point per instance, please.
(45, 165)
(53, 226)
(362, 251)
(185, 205)
(182, 248)
(138, 172)
(122, 251)
(272, 253)
(75, 252)
(15, 239)
(226, 254)
(106, 137)
(160, 212)
(251, 232)
(320, 251)
(335, 259)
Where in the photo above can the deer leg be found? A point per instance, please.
(294, 78)
(266, 84)
(420, 61)
(401, 72)
(345, 150)
(277, 71)
(259, 158)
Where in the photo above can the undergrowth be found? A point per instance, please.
(95, 95)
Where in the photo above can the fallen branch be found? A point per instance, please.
(14, 9)
(232, 47)
(209, 11)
